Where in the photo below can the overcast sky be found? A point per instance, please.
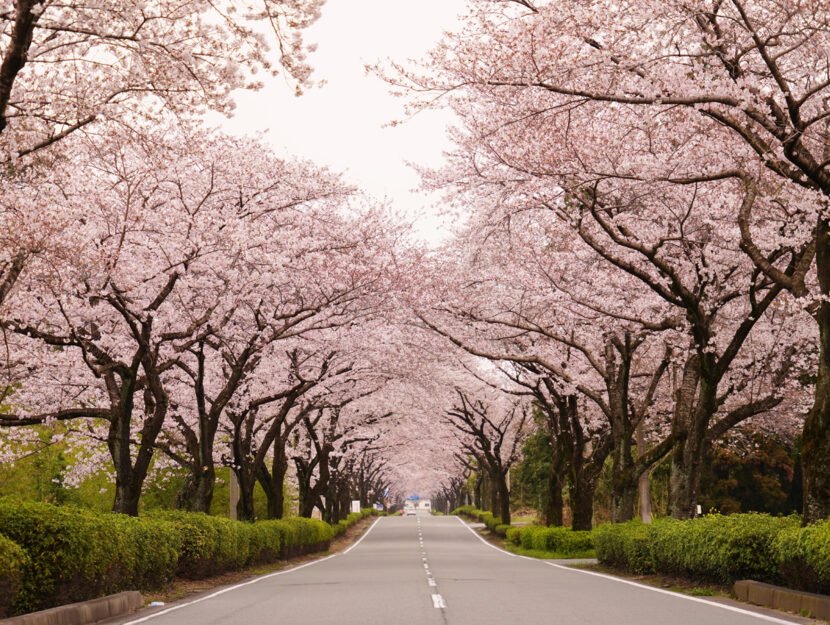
(341, 124)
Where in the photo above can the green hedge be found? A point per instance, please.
(75, 555)
(13, 561)
(213, 545)
(353, 517)
(492, 522)
(625, 546)
(561, 540)
(804, 557)
(721, 549)
(52, 555)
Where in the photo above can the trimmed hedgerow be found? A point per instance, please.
(214, 544)
(51, 555)
(714, 548)
(75, 555)
(514, 535)
(719, 548)
(625, 546)
(13, 561)
(559, 540)
(486, 517)
(803, 555)
(466, 510)
(353, 517)
(501, 530)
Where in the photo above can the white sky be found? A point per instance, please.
(341, 124)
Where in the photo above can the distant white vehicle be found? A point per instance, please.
(410, 511)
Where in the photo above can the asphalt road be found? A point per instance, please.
(435, 570)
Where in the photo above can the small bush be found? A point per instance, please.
(51, 555)
(501, 530)
(514, 535)
(76, 555)
(716, 548)
(803, 555)
(625, 546)
(216, 544)
(719, 548)
(465, 510)
(13, 561)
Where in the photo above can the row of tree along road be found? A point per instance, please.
(642, 269)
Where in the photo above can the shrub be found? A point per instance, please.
(51, 555)
(803, 555)
(215, 544)
(719, 548)
(303, 536)
(501, 530)
(624, 545)
(466, 510)
(76, 555)
(563, 540)
(13, 561)
(514, 535)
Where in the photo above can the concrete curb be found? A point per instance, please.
(83, 613)
(780, 598)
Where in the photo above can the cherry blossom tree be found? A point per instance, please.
(492, 434)
(741, 86)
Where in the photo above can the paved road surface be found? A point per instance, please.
(428, 570)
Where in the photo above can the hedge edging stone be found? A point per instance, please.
(84, 612)
(780, 598)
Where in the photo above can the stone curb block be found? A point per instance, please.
(780, 598)
(83, 613)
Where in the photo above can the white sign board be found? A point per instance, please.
(356, 505)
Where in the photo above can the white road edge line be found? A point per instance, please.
(763, 617)
(438, 601)
(477, 535)
(360, 540)
(249, 582)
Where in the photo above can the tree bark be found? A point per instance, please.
(581, 491)
(554, 504)
(623, 482)
(504, 499)
(816, 432)
(643, 485)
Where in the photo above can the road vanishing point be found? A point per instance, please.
(426, 570)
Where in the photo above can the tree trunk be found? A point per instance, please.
(273, 483)
(118, 442)
(623, 483)
(245, 478)
(683, 480)
(477, 490)
(203, 489)
(554, 503)
(643, 485)
(504, 498)
(816, 434)
(245, 506)
(581, 493)
(494, 494)
(126, 499)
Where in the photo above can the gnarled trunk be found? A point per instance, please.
(816, 434)
(554, 504)
(623, 483)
